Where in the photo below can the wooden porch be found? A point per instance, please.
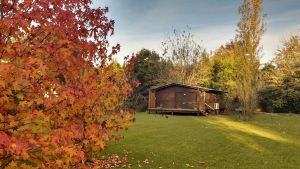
(176, 110)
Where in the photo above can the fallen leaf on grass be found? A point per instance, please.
(202, 162)
(109, 162)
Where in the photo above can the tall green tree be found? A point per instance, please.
(223, 73)
(269, 82)
(148, 70)
(204, 70)
(247, 54)
(223, 68)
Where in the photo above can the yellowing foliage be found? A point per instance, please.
(54, 103)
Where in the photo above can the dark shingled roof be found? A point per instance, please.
(188, 86)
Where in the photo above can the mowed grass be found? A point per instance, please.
(268, 141)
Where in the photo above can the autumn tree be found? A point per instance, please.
(250, 30)
(57, 108)
(184, 53)
(281, 91)
(287, 59)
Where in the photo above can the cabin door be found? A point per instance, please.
(185, 100)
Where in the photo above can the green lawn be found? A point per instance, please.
(269, 141)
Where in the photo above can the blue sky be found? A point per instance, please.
(147, 23)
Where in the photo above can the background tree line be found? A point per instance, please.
(234, 67)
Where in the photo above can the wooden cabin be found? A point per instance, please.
(185, 99)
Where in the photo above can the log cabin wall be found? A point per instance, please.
(177, 97)
(183, 98)
(165, 98)
(215, 97)
(202, 95)
(210, 99)
(220, 100)
(151, 101)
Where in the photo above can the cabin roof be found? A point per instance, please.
(188, 86)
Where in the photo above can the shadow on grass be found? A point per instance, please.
(226, 123)
(212, 141)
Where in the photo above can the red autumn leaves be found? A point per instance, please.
(56, 106)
